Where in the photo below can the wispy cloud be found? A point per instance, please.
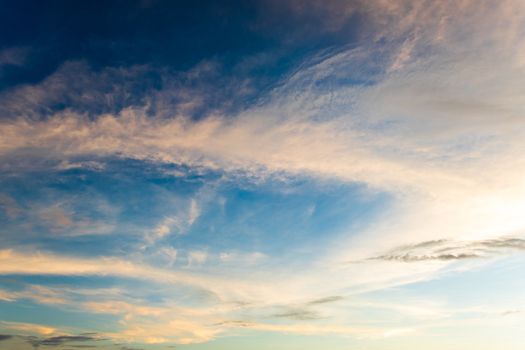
(446, 250)
(28, 328)
(179, 223)
(197, 257)
(47, 264)
(9, 206)
(16, 56)
(148, 323)
(326, 300)
(299, 315)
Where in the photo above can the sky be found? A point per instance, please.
(262, 174)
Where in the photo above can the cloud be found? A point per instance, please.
(197, 257)
(40, 294)
(56, 217)
(6, 296)
(307, 311)
(5, 337)
(82, 346)
(118, 307)
(65, 339)
(179, 223)
(61, 214)
(142, 322)
(28, 328)
(299, 315)
(236, 257)
(446, 250)
(51, 339)
(9, 206)
(90, 92)
(89, 165)
(273, 137)
(193, 212)
(12, 262)
(169, 254)
(245, 144)
(443, 257)
(326, 300)
(323, 329)
(162, 230)
(15, 56)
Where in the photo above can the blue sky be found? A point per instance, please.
(266, 174)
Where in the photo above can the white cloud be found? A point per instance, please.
(235, 257)
(193, 212)
(197, 257)
(179, 223)
(90, 165)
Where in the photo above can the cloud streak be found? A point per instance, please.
(446, 250)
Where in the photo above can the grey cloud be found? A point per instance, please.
(299, 315)
(513, 243)
(443, 257)
(5, 337)
(34, 341)
(448, 250)
(306, 311)
(61, 340)
(429, 243)
(234, 323)
(330, 299)
(83, 346)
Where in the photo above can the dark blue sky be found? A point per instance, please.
(170, 34)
